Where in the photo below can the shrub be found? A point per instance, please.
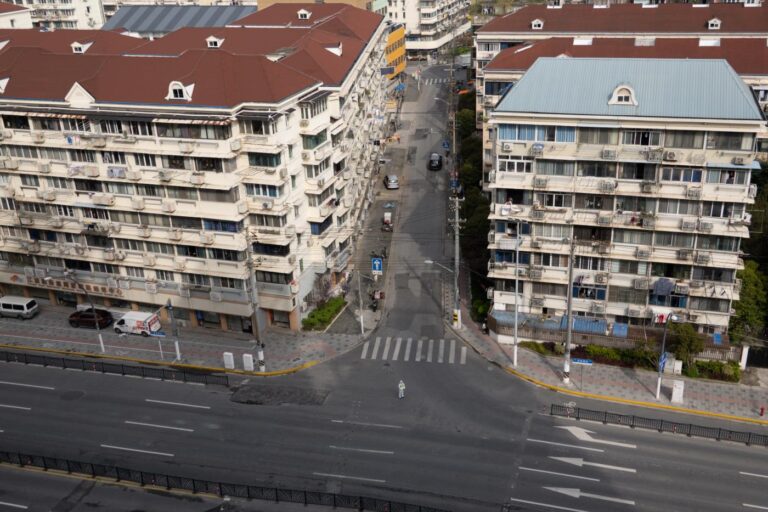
(539, 348)
(603, 354)
(324, 314)
(729, 372)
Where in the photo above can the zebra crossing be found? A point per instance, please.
(417, 351)
(435, 81)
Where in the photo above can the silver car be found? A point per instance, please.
(391, 182)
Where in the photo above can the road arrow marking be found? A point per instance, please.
(583, 434)
(576, 493)
(752, 474)
(758, 507)
(581, 462)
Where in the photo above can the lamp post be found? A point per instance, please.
(69, 276)
(672, 318)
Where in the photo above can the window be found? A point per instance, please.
(318, 199)
(555, 231)
(193, 131)
(628, 236)
(104, 268)
(228, 282)
(124, 217)
(82, 155)
(707, 304)
(95, 213)
(682, 240)
(149, 219)
(113, 157)
(583, 290)
(76, 125)
(678, 207)
(144, 160)
(160, 248)
(185, 193)
(274, 221)
(49, 124)
(682, 174)
(537, 25)
(593, 202)
(222, 225)
(627, 295)
(164, 275)
(684, 140)
(713, 24)
(264, 159)
(514, 164)
(98, 241)
(318, 228)
(634, 204)
(714, 274)
(57, 183)
(21, 151)
(635, 171)
(140, 128)
(527, 132)
(558, 290)
(730, 141)
(127, 244)
(497, 88)
(589, 263)
(718, 243)
(30, 180)
(176, 162)
(597, 136)
(111, 126)
(550, 260)
(196, 279)
(313, 108)
(629, 267)
(556, 200)
(258, 127)
(126, 189)
(32, 207)
(723, 210)
(259, 190)
(149, 190)
(178, 93)
(136, 272)
(597, 169)
(271, 250)
(16, 122)
(313, 171)
(509, 257)
(312, 141)
(671, 270)
(727, 176)
(641, 138)
(64, 211)
(226, 255)
(555, 168)
(88, 185)
(186, 222)
(190, 251)
(273, 277)
(39, 234)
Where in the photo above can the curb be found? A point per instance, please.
(149, 362)
(608, 398)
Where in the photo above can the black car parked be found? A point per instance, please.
(435, 162)
(86, 318)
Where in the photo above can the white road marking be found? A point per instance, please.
(136, 450)
(451, 354)
(758, 507)
(429, 352)
(554, 507)
(576, 493)
(396, 352)
(583, 434)
(128, 422)
(26, 385)
(581, 462)
(361, 423)
(365, 350)
(566, 445)
(345, 477)
(385, 354)
(441, 351)
(13, 505)
(361, 450)
(559, 474)
(463, 355)
(418, 350)
(180, 404)
(15, 407)
(375, 348)
(752, 474)
(408, 350)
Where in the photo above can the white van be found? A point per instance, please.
(137, 322)
(19, 307)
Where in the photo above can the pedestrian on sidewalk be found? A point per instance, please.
(401, 389)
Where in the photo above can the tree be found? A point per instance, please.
(465, 123)
(749, 319)
(467, 102)
(685, 342)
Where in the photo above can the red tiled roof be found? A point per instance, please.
(748, 56)
(60, 41)
(220, 79)
(634, 18)
(6, 8)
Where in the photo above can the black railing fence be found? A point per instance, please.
(630, 420)
(89, 365)
(171, 482)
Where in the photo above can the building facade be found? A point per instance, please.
(15, 16)
(629, 177)
(226, 172)
(86, 14)
(396, 50)
(430, 24)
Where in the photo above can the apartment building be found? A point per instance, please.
(645, 165)
(429, 24)
(225, 170)
(58, 14)
(377, 6)
(14, 16)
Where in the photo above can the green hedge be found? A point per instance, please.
(324, 314)
(729, 372)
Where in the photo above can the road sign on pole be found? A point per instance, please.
(662, 361)
(377, 266)
(585, 362)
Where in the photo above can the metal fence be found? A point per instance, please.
(195, 485)
(150, 372)
(689, 429)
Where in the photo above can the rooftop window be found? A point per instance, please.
(713, 24)
(537, 24)
(623, 95)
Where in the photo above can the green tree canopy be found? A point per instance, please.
(465, 123)
(749, 319)
(685, 342)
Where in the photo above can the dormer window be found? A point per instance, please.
(713, 24)
(80, 47)
(214, 42)
(3, 84)
(304, 14)
(537, 25)
(623, 95)
(179, 91)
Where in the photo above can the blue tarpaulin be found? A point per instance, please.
(400, 87)
(586, 325)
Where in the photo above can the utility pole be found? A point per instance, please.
(360, 297)
(254, 300)
(569, 315)
(517, 290)
(456, 255)
(174, 329)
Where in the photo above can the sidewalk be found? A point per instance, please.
(618, 384)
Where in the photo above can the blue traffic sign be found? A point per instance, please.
(454, 183)
(662, 362)
(586, 362)
(446, 144)
(377, 266)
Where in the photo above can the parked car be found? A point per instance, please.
(18, 307)
(435, 162)
(391, 182)
(86, 318)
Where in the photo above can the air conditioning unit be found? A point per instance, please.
(112, 282)
(608, 154)
(681, 289)
(149, 260)
(120, 255)
(687, 225)
(537, 214)
(184, 291)
(535, 273)
(137, 203)
(207, 238)
(752, 191)
(43, 168)
(150, 287)
(601, 278)
(283, 173)
(98, 142)
(693, 317)
(696, 283)
(702, 258)
(684, 254)
(235, 145)
(321, 183)
(537, 149)
(46, 195)
(705, 226)
(537, 302)
(693, 193)
(242, 207)
(540, 182)
(292, 259)
(491, 177)
(267, 205)
(57, 222)
(180, 264)
(38, 137)
(304, 123)
(671, 156)
(635, 312)
(603, 248)
(290, 230)
(165, 175)
(133, 175)
(11, 164)
(648, 187)
(306, 155)
(216, 296)
(640, 284)
(489, 293)
(91, 171)
(507, 147)
(605, 220)
(109, 255)
(116, 172)
(175, 234)
(598, 307)
(269, 170)
(649, 222)
(643, 254)
(169, 206)
(607, 186)
(145, 231)
(536, 244)
(186, 147)
(197, 178)
(104, 199)
(738, 160)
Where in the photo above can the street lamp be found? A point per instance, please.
(68, 275)
(456, 311)
(662, 359)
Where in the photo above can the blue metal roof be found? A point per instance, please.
(155, 19)
(674, 88)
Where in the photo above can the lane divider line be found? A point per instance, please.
(176, 403)
(152, 425)
(113, 447)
